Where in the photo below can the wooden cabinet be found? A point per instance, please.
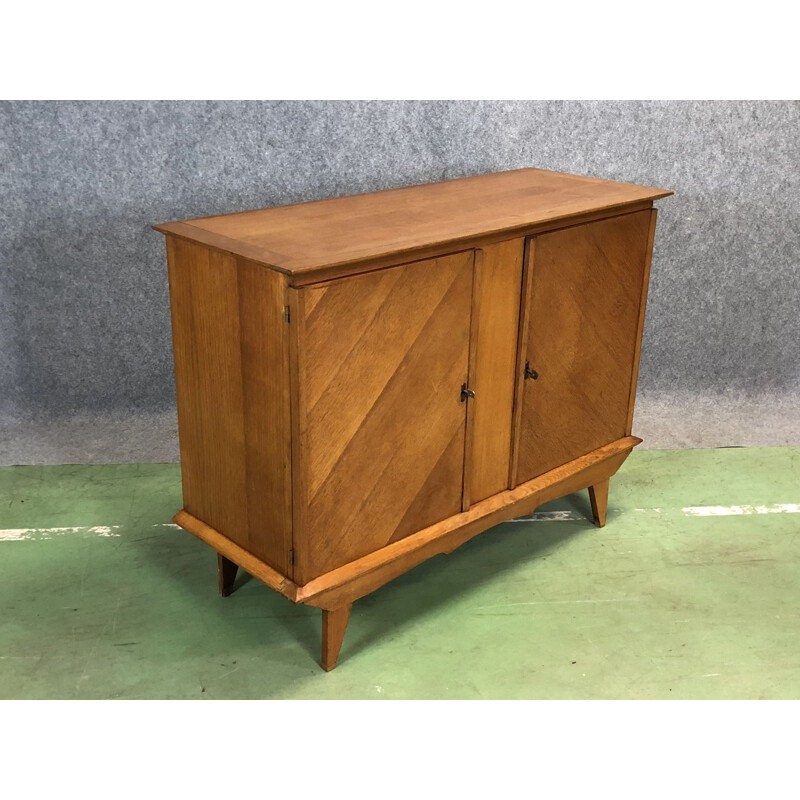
(369, 381)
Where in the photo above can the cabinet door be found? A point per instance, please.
(380, 361)
(585, 290)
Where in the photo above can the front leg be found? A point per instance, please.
(598, 496)
(334, 625)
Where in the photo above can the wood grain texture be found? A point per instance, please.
(320, 353)
(334, 625)
(264, 350)
(584, 298)
(598, 497)
(352, 581)
(241, 557)
(232, 383)
(429, 252)
(216, 241)
(381, 427)
(307, 237)
(346, 584)
(640, 327)
(495, 368)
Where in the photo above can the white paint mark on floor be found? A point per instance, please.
(20, 658)
(551, 516)
(735, 511)
(39, 534)
(688, 511)
(25, 534)
(572, 516)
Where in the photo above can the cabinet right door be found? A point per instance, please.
(585, 290)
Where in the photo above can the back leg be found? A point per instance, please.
(227, 574)
(598, 495)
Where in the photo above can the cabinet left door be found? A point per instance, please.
(379, 422)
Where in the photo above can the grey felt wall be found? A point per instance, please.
(84, 316)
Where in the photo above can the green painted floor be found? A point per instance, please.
(662, 603)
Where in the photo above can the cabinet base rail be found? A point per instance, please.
(335, 591)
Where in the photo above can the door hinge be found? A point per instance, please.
(291, 557)
(466, 392)
(287, 313)
(530, 373)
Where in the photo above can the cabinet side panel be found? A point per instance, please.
(640, 329)
(265, 378)
(231, 374)
(208, 380)
(498, 310)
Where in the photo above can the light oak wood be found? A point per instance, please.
(582, 348)
(362, 576)
(334, 625)
(382, 358)
(493, 375)
(231, 374)
(324, 274)
(309, 237)
(180, 230)
(351, 374)
(232, 551)
(598, 496)
(640, 327)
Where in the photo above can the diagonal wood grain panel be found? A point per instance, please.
(585, 292)
(337, 314)
(356, 338)
(382, 445)
(435, 494)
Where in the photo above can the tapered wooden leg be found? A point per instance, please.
(334, 624)
(227, 575)
(598, 495)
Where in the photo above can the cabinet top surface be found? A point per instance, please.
(309, 236)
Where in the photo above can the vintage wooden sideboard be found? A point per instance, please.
(369, 381)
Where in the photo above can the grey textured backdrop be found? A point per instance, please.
(85, 349)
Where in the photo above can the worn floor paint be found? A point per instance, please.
(690, 591)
